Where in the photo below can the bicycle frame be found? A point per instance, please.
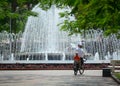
(78, 67)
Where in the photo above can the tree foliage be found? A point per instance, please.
(89, 14)
(14, 13)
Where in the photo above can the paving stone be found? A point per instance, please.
(54, 78)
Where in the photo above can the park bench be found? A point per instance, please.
(114, 65)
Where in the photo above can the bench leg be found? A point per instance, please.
(106, 72)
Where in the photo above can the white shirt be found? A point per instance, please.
(80, 52)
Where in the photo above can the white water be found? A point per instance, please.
(42, 34)
(96, 57)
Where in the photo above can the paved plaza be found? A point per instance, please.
(54, 78)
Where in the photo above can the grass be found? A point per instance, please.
(117, 74)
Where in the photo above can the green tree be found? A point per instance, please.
(14, 13)
(89, 14)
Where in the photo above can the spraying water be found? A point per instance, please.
(43, 40)
(42, 34)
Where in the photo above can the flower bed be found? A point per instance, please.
(23, 66)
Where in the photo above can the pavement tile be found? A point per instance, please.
(54, 78)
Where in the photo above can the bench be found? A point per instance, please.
(114, 65)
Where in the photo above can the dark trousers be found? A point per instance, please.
(82, 62)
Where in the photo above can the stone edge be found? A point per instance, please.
(115, 78)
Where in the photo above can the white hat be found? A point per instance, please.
(80, 43)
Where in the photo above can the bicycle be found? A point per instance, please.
(79, 67)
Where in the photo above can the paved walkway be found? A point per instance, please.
(54, 78)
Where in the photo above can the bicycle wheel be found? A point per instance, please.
(81, 69)
(76, 68)
(75, 72)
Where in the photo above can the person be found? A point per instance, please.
(81, 53)
(76, 60)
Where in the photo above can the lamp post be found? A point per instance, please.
(10, 38)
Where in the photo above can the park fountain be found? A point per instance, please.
(42, 38)
(43, 42)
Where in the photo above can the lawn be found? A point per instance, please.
(117, 74)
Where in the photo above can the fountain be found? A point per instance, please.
(101, 47)
(42, 38)
(43, 42)
(96, 56)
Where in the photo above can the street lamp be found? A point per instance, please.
(10, 38)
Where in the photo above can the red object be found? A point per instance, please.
(76, 57)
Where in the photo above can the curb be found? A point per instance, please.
(114, 77)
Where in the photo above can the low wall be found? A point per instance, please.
(44, 66)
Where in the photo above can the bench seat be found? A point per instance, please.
(114, 65)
